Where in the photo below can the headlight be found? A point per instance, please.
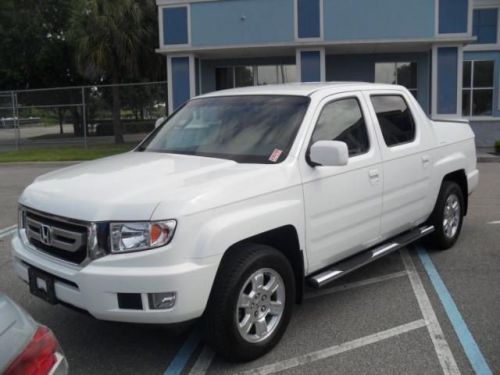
(134, 236)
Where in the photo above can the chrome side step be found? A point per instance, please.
(367, 256)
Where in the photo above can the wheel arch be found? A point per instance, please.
(285, 239)
(460, 178)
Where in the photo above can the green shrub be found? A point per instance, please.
(497, 146)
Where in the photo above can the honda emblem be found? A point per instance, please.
(46, 234)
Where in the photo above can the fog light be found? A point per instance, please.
(161, 301)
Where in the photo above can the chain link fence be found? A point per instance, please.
(79, 115)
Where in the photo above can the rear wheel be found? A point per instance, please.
(251, 302)
(447, 216)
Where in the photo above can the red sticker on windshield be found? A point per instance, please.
(275, 155)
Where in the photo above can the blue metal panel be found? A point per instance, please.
(310, 69)
(359, 67)
(180, 80)
(308, 17)
(175, 25)
(447, 70)
(453, 16)
(484, 25)
(494, 56)
(219, 23)
(380, 19)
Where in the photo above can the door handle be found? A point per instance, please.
(426, 160)
(374, 176)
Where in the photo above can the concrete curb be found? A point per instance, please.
(488, 158)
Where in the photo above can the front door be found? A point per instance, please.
(343, 203)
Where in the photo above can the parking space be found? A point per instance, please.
(387, 318)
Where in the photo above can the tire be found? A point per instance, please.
(238, 284)
(447, 216)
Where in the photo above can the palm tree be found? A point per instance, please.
(111, 39)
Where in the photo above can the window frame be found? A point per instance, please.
(161, 25)
(497, 33)
(412, 116)
(320, 111)
(482, 46)
(472, 88)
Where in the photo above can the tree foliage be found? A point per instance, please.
(34, 51)
(113, 41)
(48, 43)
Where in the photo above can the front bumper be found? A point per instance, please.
(60, 367)
(95, 287)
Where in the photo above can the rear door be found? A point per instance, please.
(342, 203)
(406, 162)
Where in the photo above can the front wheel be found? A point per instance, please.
(251, 302)
(447, 216)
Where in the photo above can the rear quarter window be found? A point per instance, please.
(394, 118)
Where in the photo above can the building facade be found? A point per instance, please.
(446, 52)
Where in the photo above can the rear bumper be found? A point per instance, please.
(95, 287)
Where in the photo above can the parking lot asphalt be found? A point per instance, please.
(390, 317)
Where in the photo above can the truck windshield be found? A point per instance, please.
(246, 128)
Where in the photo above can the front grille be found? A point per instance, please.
(56, 236)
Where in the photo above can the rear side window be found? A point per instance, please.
(342, 120)
(394, 118)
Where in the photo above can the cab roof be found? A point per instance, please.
(300, 89)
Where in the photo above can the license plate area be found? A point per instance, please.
(42, 285)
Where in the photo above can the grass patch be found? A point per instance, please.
(63, 153)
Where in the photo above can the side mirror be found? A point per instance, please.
(329, 153)
(159, 121)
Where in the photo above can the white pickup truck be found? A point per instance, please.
(241, 198)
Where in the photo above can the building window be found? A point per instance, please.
(484, 25)
(243, 76)
(477, 93)
(256, 75)
(398, 73)
(175, 25)
(308, 18)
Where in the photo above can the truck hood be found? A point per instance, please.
(130, 186)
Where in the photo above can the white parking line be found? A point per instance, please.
(443, 351)
(205, 359)
(336, 349)
(203, 362)
(7, 231)
(494, 222)
(356, 284)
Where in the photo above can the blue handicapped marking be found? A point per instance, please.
(472, 351)
(185, 352)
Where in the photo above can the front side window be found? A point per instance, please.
(394, 118)
(477, 92)
(244, 128)
(342, 120)
(398, 73)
